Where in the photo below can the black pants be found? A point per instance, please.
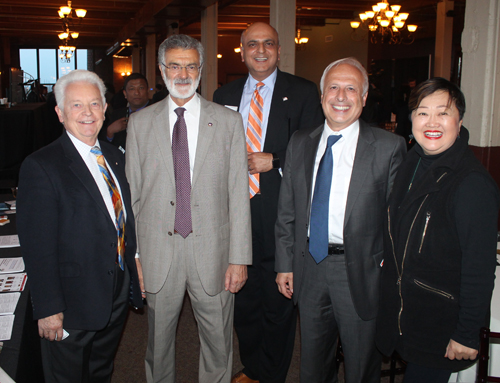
(87, 356)
(264, 319)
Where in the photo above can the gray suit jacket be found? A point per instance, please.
(378, 155)
(220, 204)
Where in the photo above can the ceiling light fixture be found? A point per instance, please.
(385, 24)
(68, 35)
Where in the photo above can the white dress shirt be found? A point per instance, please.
(90, 160)
(344, 151)
(267, 94)
(192, 118)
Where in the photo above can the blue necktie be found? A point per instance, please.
(318, 233)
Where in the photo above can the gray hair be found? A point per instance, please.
(180, 42)
(79, 75)
(349, 61)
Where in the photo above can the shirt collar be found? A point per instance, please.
(81, 146)
(347, 133)
(191, 106)
(130, 111)
(269, 81)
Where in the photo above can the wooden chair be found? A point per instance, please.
(484, 348)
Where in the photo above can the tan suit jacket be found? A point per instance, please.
(220, 205)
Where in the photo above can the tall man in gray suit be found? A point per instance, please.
(186, 164)
(329, 249)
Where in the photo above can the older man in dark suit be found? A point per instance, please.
(329, 249)
(76, 228)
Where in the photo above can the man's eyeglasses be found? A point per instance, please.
(192, 68)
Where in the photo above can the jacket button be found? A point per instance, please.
(172, 203)
(170, 233)
(110, 272)
(113, 244)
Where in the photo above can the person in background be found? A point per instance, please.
(77, 234)
(135, 90)
(441, 239)
(160, 94)
(329, 234)
(264, 320)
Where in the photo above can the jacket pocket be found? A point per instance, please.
(434, 290)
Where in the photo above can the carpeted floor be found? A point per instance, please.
(129, 362)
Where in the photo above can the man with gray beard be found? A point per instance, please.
(187, 164)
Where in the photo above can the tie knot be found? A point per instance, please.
(96, 150)
(259, 85)
(180, 112)
(332, 139)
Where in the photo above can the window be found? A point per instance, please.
(81, 58)
(48, 66)
(45, 64)
(29, 61)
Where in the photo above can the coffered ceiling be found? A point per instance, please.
(35, 23)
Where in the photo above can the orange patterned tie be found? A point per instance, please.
(254, 133)
(117, 204)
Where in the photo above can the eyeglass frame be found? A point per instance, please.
(198, 68)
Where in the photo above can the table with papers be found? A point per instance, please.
(20, 356)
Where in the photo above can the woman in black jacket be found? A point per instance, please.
(440, 240)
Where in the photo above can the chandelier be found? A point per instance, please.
(301, 40)
(385, 24)
(69, 34)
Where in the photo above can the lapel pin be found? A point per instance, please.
(210, 124)
(285, 98)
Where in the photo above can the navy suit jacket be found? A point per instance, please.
(68, 239)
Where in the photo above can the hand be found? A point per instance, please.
(141, 279)
(259, 162)
(458, 351)
(285, 284)
(236, 276)
(51, 327)
(117, 126)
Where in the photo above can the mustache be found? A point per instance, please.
(183, 81)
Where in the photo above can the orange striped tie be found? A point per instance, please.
(254, 133)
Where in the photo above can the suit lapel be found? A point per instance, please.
(207, 128)
(310, 150)
(161, 131)
(82, 172)
(365, 153)
(279, 108)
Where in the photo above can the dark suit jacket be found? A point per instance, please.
(295, 105)
(378, 155)
(68, 239)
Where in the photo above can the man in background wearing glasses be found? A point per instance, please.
(186, 164)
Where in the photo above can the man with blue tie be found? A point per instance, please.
(329, 249)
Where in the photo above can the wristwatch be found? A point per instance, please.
(276, 161)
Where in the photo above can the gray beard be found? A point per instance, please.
(170, 84)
